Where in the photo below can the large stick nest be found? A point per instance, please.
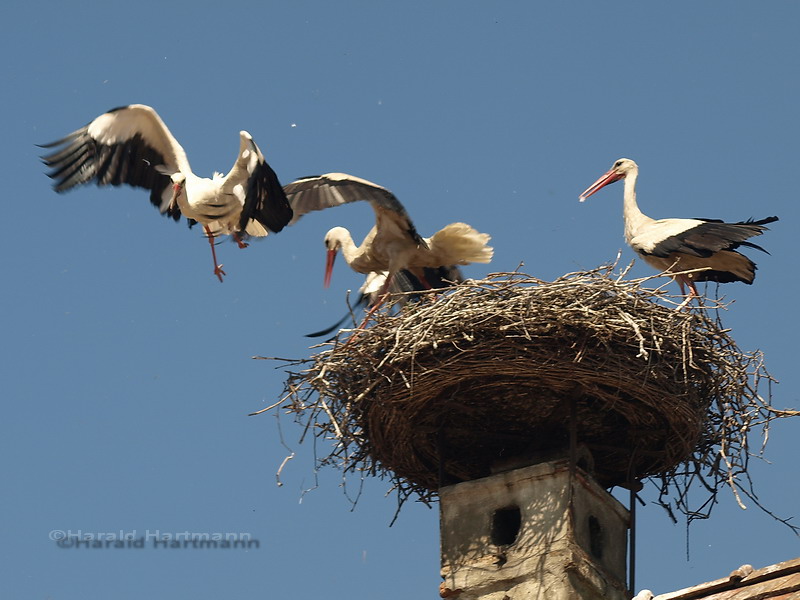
(500, 372)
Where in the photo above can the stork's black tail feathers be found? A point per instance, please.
(759, 227)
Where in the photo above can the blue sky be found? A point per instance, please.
(126, 366)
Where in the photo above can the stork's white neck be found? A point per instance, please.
(634, 218)
(350, 251)
(342, 238)
(364, 258)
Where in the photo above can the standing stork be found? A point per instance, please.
(132, 145)
(393, 244)
(675, 245)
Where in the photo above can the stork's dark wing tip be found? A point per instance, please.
(266, 201)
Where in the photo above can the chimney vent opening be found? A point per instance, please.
(506, 523)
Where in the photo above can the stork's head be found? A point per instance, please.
(333, 241)
(619, 170)
(178, 183)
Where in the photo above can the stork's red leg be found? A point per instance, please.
(242, 244)
(383, 294)
(420, 275)
(372, 310)
(217, 267)
(692, 291)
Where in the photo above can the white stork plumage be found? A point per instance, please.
(674, 245)
(402, 283)
(393, 244)
(132, 145)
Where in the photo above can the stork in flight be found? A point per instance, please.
(404, 281)
(675, 245)
(132, 145)
(393, 244)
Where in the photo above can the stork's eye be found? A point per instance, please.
(618, 164)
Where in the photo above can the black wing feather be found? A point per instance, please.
(81, 159)
(266, 201)
(712, 236)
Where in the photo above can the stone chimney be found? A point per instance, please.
(541, 531)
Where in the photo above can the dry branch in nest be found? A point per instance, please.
(498, 373)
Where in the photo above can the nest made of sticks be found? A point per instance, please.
(501, 372)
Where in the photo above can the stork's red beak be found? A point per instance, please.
(329, 267)
(609, 177)
(177, 188)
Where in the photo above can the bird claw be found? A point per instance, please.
(239, 241)
(219, 272)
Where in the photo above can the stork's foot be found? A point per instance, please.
(217, 267)
(693, 293)
(352, 336)
(685, 304)
(359, 329)
(367, 318)
(239, 241)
